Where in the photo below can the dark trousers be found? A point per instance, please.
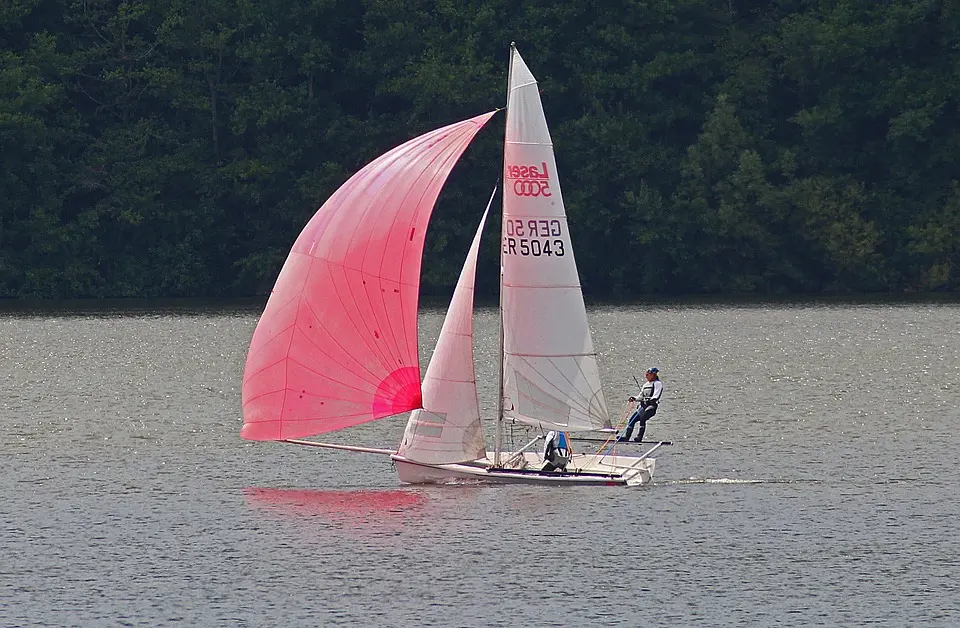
(641, 416)
(556, 459)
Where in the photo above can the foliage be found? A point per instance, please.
(176, 148)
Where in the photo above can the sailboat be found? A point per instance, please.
(336, 345)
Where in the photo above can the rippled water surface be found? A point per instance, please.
(812, 481)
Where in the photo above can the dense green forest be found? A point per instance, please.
(177, 147)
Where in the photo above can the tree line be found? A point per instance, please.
(177, 147)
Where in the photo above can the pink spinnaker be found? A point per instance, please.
(336, 345)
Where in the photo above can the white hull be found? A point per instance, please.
(583, 469)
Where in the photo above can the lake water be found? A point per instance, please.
(812, 481)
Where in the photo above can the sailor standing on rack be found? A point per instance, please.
(647, 407)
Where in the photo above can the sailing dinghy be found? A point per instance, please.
(336, 345)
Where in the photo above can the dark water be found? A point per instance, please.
(813, 481)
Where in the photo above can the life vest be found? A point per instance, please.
(646, 392)
(556, 449)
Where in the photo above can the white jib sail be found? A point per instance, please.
(448, 429)
(551, 377)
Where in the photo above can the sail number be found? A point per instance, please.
(533, 237)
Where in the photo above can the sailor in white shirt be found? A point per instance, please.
(647, 404)
(556, 451)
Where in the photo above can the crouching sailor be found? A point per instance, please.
(556, 452)
(647, 405)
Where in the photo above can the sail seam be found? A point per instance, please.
(374, 379)
(362, 334)
(580, 402)
(387, 357)
(452, 152)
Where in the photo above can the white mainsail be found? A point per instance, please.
(550, 372)
(447, 429)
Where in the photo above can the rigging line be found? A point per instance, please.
(612, 439)
(501, 357)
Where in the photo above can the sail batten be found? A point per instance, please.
(548, 355)
(337, 342)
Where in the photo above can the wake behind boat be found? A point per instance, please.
(336, 345)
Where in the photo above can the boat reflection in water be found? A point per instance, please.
(342, 508)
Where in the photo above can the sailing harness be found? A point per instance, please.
(650, 393)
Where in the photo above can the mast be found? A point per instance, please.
(498, 439)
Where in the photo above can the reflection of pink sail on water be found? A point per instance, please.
(337, 343)
(345, 507)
